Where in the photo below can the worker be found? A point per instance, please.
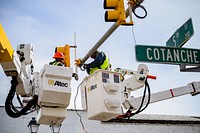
(101, 61)
(59, 59)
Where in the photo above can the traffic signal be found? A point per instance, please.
(116, 12)
(66, 51)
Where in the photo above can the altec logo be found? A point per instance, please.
(57, 83)
(92, 87)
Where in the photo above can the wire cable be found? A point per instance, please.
(143, 8)
(140, 109)
(129, 114)
(134, 39)
(80, 118)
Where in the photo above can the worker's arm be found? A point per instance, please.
(98, 60)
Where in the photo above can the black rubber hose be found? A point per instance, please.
(142, 102)
(143, 8)
(10, 108)
(30, 104)
(149, 96)
(140, 109)
(20, 102)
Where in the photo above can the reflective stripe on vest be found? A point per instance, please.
(105, 63)
(56, 63)
(103, 66)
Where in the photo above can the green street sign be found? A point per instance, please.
(167, 55)
(181, 35)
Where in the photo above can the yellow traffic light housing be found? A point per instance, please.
(66, 51)
(116, 12)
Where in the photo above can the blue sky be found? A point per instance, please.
(50, 23)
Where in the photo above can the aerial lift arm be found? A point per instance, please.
(47, 91)
(18, 65)
(192, 88)
(6, 50)
(114, 94)
(134, 104)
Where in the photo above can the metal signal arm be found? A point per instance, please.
(132, 5)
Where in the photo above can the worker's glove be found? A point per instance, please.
(75, 76)
(78, 62)
(85, 66)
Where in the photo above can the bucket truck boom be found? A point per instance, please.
(112, 94)
(47, 91)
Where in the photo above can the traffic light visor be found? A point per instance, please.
(110, 4)
(111, 16)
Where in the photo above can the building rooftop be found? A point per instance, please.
(160, 119)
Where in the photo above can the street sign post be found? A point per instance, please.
(181, 35)
(167, 55)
